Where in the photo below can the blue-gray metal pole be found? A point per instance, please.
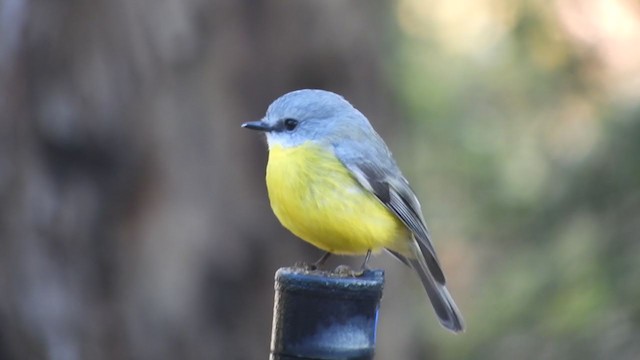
(323, 315)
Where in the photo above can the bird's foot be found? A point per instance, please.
(306, 266)
(346, 271)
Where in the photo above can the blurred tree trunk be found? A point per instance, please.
(133, 218)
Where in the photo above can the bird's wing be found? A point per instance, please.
(386, 182)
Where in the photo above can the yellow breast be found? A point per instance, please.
(315, 197)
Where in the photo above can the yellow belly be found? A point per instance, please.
(316, 198)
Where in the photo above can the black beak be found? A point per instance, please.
(257, 125)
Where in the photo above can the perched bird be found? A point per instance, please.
(333, 182)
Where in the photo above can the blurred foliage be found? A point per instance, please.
(527, 135)
(134, 222)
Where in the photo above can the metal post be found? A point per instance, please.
(325, 315)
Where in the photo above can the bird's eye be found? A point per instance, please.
(290, 124)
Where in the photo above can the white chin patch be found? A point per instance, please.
(280, 139)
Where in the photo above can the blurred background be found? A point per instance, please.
(134, 219)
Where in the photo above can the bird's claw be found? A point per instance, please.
(346, 271)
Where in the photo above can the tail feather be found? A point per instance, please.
(431, 262)
(441, 300)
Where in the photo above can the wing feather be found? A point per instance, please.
(396, 194)
(370, 162)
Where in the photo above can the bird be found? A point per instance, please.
(333, 182)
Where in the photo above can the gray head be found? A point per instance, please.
(310, 115)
